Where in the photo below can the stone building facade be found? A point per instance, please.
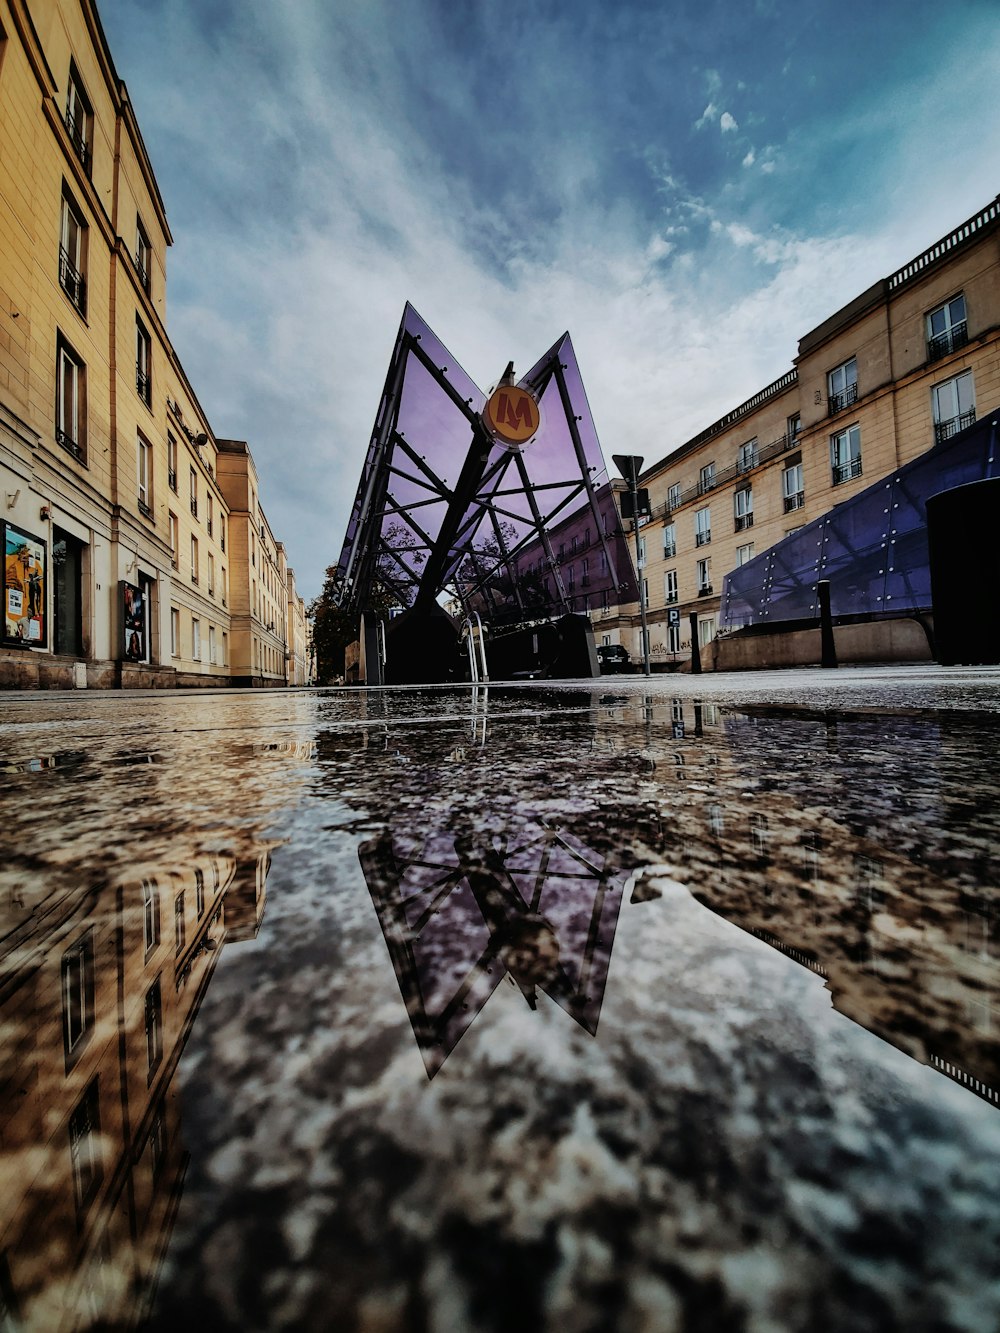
(904, 365)
(119, 558)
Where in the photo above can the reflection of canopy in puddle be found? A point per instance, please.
(461, 910)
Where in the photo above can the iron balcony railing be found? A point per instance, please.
(172, 478)
(795, 501)
(72, 281)
(765, 452)
(143, 272)
(742, 522)
(143, 385)
(846, 471)
(78, 138)
(145, 509)
(69, 444)
(194, 507)
(705, 590)
(838, 401)
(703, 538)
(949, 341)
(944, 430)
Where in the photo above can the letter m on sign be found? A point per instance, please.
(514, 414)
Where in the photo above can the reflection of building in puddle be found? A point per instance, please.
(835, 840)
(460, 911)
(98, 992)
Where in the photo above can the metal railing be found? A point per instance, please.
(143, 384)
(78, 137)
(72, 281)
(846, 471)
(949, 341)
(795, 501)
(838, 401)
(69, 444)
(944, 430)
(962, 233)
(782, 445)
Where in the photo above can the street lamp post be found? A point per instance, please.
(630, 465)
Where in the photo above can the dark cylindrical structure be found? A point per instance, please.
(963, 538)
(827, 646)
(695, 648)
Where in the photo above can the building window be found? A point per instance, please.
(144, 464)
(143, 362)
(194, 559)
(150, 916)
(703, 526)
(209, 513)
(84, 1150)
(196, 639)
(172, 462)
(954, 406)
(225, 647)
(79, 119)
(222, 531)
(794, 426)
(211, 574)
(158, 1142)
(704, 577)
(77, 995)
(175, 632)
(706, 631)
(842, 386)
(199, 892)
(173, 529)
(585, 571)
(673, 495)
(154, 1026)
(143, 254)
(744, 554)
(73, 253)
(224, 588)
(845, 454)
(670, 593)
(211, 645)
(673, 638)
(71, 378)
(706, 478)
(180, 931)
(669, 540)
(792, 488)
(743, 509)
(947, 328)
(747, 456)
(193, 483)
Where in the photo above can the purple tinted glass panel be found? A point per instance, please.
(872, 548)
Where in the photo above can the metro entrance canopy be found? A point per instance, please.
(502, 507)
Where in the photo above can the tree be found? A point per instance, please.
(334, 628)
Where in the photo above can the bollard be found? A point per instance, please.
(695, 650)
(828, 648)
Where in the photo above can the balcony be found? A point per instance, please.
(78, 137)
(669, 550)
(846, 471)
(143, 385)
(194, 508)
(742, 521)
(72, 282)
(671, 597)
(705, 590)
(944, 430)
(949, 341)
(172, 479)
(703, 538)
(795, 501)
(145, 509)
(838, 401)
(69, 444)
(143, 272)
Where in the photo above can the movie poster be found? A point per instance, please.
(24, 588)
(134, 621)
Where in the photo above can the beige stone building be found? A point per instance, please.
(118, 551)
(909, 362)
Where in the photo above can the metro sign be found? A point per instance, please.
(511, 415)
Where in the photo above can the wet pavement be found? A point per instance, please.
(629, 1004)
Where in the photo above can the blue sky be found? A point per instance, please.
(688, 187)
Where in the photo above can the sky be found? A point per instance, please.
(687, 186)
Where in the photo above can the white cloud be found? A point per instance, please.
(727, 122)
(710, 113)
(750, 158)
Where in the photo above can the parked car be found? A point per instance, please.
(613, 657)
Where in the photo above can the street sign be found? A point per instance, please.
(629, 465)
(673, 617)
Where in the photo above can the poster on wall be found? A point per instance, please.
(134, 622)
(24, 594)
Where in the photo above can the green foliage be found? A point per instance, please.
(334, 628)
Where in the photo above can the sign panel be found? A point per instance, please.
(24, 594)
(511, 415)
(134, 623)
(673, 616)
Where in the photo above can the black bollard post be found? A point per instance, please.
(828, 648)
(695, 650)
